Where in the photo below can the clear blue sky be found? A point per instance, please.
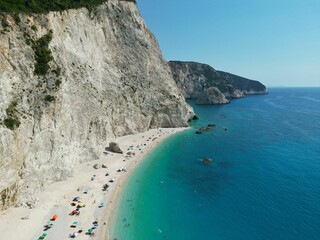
(274, 41)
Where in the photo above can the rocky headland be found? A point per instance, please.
(209, 86)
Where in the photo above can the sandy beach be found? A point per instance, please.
(87, 186)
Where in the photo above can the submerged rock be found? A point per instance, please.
(205, 129)
(206, 160)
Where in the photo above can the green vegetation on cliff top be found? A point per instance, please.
(40, 6)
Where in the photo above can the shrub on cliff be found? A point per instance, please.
(49, 98)
(12, 120)
(11, 123)
(42, 53)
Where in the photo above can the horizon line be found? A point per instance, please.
(286, 86)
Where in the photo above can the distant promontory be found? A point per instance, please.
(209, 86)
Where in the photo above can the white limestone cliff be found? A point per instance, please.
(107, 78)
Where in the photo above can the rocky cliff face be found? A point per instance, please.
(69, 81)
(208, 86)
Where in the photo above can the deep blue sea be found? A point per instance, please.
(264, 182)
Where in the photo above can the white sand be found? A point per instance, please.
(58, 196)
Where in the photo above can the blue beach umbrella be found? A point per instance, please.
(76, 198)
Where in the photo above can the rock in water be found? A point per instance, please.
(114, 147)
(195, 117)
(205, 129)
(207, 160)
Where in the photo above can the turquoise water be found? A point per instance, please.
(264, 182)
